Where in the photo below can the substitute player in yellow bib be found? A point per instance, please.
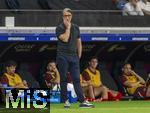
(134, 84)
(11, 78)
(92, 78)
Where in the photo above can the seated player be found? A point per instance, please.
(134, 84)
(93, 86)
(10, 78)
(52, 75)
(52, 78)
(87, 88)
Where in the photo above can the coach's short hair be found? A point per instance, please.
(67, 10)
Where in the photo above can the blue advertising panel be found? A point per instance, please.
(85, 37)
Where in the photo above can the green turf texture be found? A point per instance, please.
(100, 107)
(24, 111)
(106, 107)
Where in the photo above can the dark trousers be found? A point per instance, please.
(69, 64)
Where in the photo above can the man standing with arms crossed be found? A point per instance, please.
(69, 50)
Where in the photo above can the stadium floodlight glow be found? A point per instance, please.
(35, 98)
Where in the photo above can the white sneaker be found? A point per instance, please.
(86, 104)
(67, 104)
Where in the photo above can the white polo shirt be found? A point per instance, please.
(129, 9)
(145, 6)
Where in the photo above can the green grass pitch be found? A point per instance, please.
(106, 107)
(100, 107)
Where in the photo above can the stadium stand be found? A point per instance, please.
(93, 13)
(57, 4)
(98, 18)
(99, 12)
(12, 4)
(44, 4)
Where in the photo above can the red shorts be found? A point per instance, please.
(112, 97)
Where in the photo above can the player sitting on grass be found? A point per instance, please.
(10, 78)
(134, 84)
(52, 78)
(93, 86)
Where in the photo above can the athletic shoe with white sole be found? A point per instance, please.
(86, 104)
(67, 104)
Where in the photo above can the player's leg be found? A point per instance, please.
(91, 92)
(85, 91)
(102, 90)
(140, 92)
(148, 91)
(88, 92)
